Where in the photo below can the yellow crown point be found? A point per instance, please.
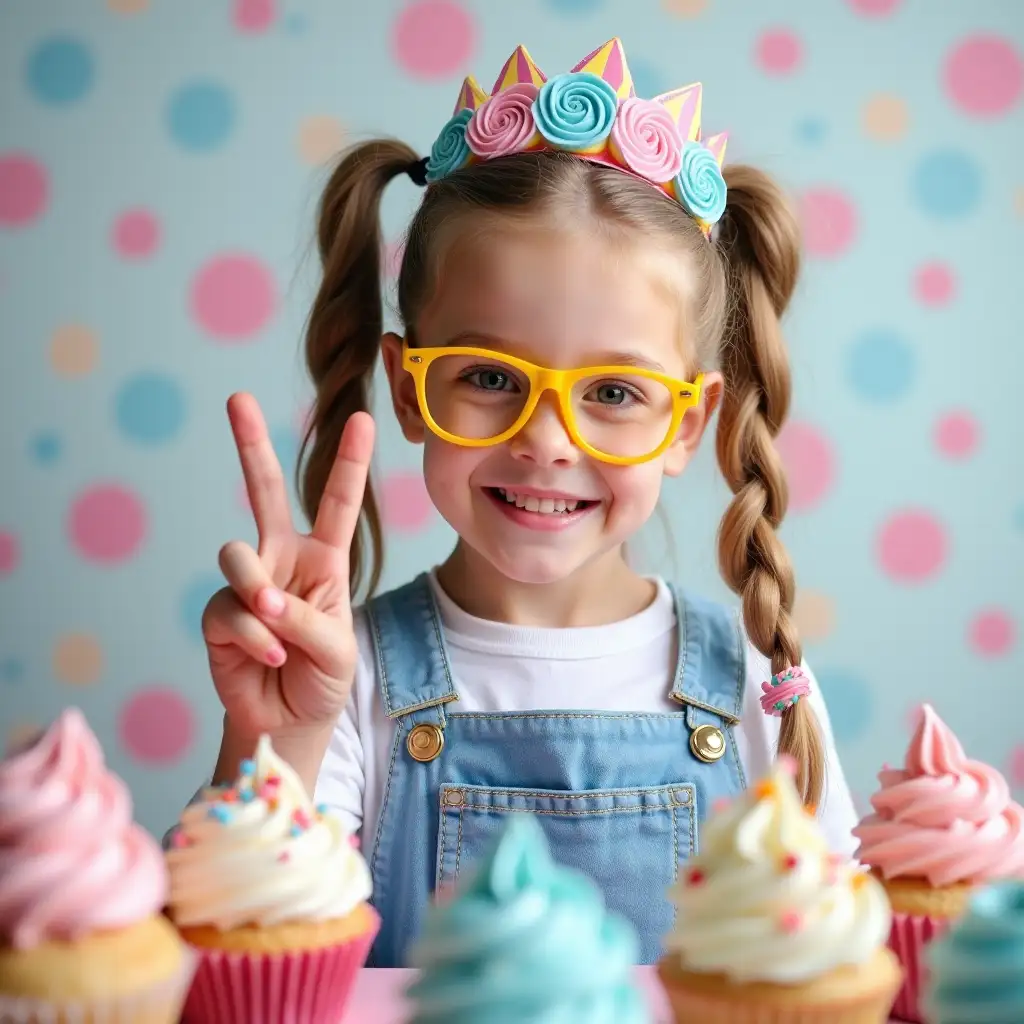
(609, 62)
(716, 144)
(471, 96)
(685, 107)
(519, 69)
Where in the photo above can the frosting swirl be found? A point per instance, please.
(942, 817)
(646, 139)
(71, 860)
(259, 852)
(504, 124)
(527, 939)
(766, 901)
(449, 151)
(576, 111)
(977, 967)
(699, 185)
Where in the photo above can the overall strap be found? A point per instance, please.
(412, 659)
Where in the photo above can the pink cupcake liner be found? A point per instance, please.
(159, 1002)
(284, 988)
(909, 936)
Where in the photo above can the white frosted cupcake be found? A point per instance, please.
(772, 928)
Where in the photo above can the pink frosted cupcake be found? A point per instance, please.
(82, 939)
(273, 895)
(942, 826)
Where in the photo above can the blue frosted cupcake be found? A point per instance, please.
(526, 941)
(977, 969)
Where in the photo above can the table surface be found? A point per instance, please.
(378, 997)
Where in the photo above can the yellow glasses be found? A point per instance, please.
(619, 414)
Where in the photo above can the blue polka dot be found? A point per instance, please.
(12, 670)
(150, 408)
(46, 448)
(193, 600)
(849, 700)
(947, 183)
(295, 23)
(881, 366)
(811, 130)
(647, 79)
(201, 116)
(60, 70)
(575, 7)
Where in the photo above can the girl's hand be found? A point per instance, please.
(279, 637)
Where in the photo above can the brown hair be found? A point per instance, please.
(734, 292)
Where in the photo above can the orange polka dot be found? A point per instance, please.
(321, 138)
(77, 659)
(684, 8)
(21, 734)
(128, 6)
(814, 614)
(885, 117)
(74, 350)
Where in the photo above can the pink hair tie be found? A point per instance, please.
(785, 689)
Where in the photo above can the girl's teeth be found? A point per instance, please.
(544, 506)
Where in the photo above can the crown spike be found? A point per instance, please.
(609, 62)
(471, 96)
(716, 144)
(519, 69)
(684, 105)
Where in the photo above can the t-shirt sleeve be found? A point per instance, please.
(758, 736)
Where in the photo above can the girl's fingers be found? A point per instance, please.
(338, 516)
(228, 623)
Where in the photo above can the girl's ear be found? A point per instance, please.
(403, 389)
(695, 422)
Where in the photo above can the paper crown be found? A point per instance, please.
(594, 113)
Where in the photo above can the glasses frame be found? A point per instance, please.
(685, 396)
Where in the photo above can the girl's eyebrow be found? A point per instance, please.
(621, 358)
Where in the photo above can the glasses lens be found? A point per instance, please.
(475, 398)
(622, 414)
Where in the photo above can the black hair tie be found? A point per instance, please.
(417, 171)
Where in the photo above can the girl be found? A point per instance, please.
(581, 290)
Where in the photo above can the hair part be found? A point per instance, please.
(733, 293)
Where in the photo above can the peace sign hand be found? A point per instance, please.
(279, 637)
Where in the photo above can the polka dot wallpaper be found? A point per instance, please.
(159, 169)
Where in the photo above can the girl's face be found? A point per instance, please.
(561, 300)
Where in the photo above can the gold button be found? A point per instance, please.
(454, 798)
(707, 743)
(425, 742)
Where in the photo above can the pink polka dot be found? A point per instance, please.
(934, 284)
(405, 504)
(136, 234)
(107, 524)
(874, 8)
(829, 222)
(156, 725)
(1016, 772)
(984, 75)
(957, 435)
(10, 553)
(433, 38)
(778, 51)
(254, 15)
(233, 297)
(810, 464)
(991, 633)
(912, 546)
(24, 189)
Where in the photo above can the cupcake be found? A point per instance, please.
(525, 940)
(771, 927)
(977, 968)
(272, 894)
(942, 825)
(82, 939)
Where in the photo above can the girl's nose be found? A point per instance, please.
(543, 438)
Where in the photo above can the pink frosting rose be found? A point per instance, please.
(71, 859)
(942, 817)
(503, 124)
(645, 138)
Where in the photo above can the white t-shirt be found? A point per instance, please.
(624, 666)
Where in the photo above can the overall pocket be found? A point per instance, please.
(631, 842)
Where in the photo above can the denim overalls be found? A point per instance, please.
(619, 795)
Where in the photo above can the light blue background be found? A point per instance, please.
(175, 110)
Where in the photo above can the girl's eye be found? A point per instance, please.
(614, 393)
(490, 379)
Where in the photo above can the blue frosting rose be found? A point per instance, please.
(526, 940)
(699, 185)
(450, 150)
(575, 111)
